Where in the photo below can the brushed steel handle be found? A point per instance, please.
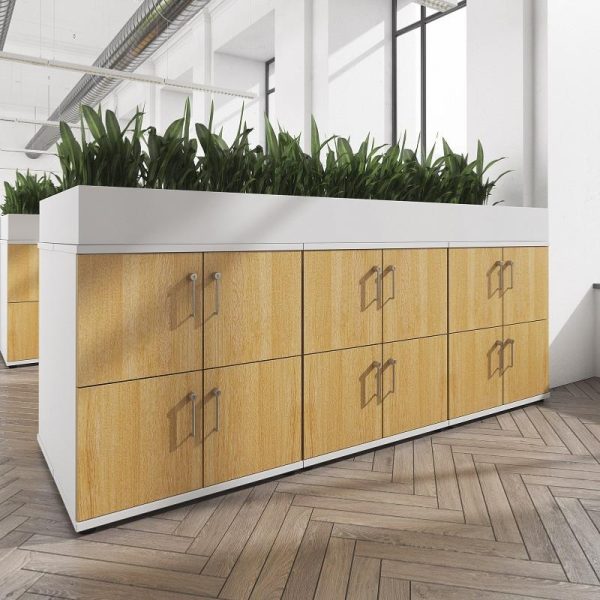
(392, 270)
(217, 394)
(217, 277)
(510, 264)
(192, 396)
(511, 343)
(378, 284)
(500, 344)
(379, 381)
(193, 277)
(500, 265)
(392, 362)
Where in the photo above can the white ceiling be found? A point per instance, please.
(257, 42)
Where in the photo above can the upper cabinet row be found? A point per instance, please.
(142, 315)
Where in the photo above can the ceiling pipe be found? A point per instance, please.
(6, 12)
(152, 24)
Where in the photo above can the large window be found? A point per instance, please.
(270, 90)
(430, 75)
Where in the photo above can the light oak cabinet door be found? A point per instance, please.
(252, 307)
(475, 299)
(341, 299)
(252, 418)
(23, 273)
(138, 442)
(415, 293)
(475, 376)
(415, 384)
(342, 406)
(525, 284)
(22, 330)
(138, 315)
(525, 360)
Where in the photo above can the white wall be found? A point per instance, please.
(573, 186)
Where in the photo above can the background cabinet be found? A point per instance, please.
(415, 383)
(475, 376)
(137, 442)
(341, 299)
(415, 293)
(23, 328)
(252, 418)
(138, 315)
(23, 273)
(252, 307)
(341, 399)
(525, 360)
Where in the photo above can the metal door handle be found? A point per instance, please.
(511, 264)
(377, 365)
(217, 394)
(193, 277)
(217, 277)
(500, 265)
(378, 284)
(192, 396)
(392, 270)
(511, 343)
(500, 344)
(392, 362)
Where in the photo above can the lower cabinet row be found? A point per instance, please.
(143, 440)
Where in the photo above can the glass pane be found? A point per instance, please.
(273, 110)
(408, 13)
(409, 86)
(271, 81)
(447, 81)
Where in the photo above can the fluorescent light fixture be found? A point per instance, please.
(125, 76)
(441, 5)
(19, 121)
(27, 151)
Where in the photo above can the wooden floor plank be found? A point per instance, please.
(335, 573)
(364, 579)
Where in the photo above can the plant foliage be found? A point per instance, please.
(24, 196)
(136, 157)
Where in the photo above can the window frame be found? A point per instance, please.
(268, 90)
(421, 25)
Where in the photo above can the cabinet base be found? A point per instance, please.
(20, 363)
(128, 513)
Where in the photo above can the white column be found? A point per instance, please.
(202, 66)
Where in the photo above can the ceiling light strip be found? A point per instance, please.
(125, 76)
(441, 5)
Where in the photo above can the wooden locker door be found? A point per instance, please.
(342, 406)
(475, 379)
(415, 293)
(138, 315)
(252, 418)
(138, 442)
(525, 361)
(475, 299)
(341, 305)
(415, 384)
(252, 307)
(23, 331)
(525, 285)
(23, 273)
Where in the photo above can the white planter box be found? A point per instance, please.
(94, 216)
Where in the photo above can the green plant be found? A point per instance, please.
(174, 160)
(111, 158)
(24, 197)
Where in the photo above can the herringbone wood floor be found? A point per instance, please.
(506, 508)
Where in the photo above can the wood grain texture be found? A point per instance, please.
(23, 273)
(526, 285)
(525, 360)
(135, 443)
(474, 294)
(23, 331)
(420, 396)
(341, 405)
(260, 418)
(259, 316)
(340, 299)
(134, 316)
(418, 306)
(475, 379)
